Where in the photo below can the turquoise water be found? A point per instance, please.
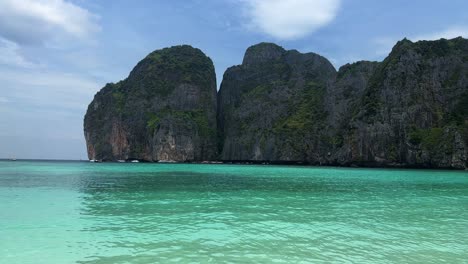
(78, 212)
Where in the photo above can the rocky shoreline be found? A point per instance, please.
(293, 163)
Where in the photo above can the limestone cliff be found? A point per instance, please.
(410, 110)
(164, 110)
(271, 107)
(414, 110)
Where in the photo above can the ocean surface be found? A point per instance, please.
(80, 212)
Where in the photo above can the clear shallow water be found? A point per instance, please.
(77, 212)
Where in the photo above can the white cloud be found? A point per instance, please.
(384, 44)
(449, 33)
(290, 19)
(10, 54)
(42, 102)
(49, 89)
(38, 21)
(42, 112)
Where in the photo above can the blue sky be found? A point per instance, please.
(56, 54)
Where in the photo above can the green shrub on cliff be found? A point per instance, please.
(432, 139)
(306, 114)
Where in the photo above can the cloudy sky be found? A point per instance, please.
(56, 54)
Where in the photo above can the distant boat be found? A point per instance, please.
(12, 159)
(121, 161)
(92, 160)
(135, 161)
(211, 162)
(166, 161)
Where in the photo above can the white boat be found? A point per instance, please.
(166, 161)
(92, 160)
(121, 161)
(134, 161)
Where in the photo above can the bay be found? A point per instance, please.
(80, 212)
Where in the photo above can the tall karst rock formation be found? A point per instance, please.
(164, 110)
(283, 106)
(271, 107)
(414, 109)
(409, 110)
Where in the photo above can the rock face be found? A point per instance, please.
(164, 110)
(414, 109)
(271, 108)
(410, 110)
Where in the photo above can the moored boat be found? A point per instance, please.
(166, 161)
